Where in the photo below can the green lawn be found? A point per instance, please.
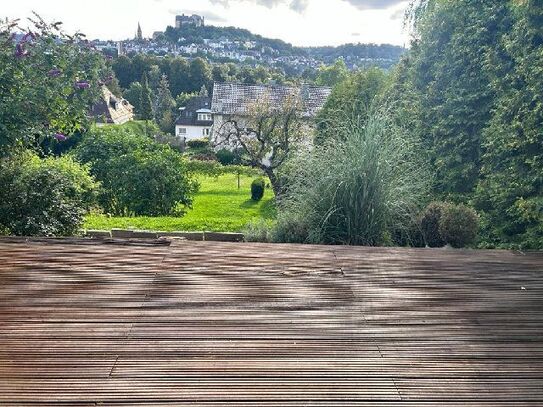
(219, 206)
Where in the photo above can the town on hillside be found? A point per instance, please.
(190, 37)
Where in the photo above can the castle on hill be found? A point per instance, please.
(193, 20)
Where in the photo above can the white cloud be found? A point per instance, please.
(301, 22)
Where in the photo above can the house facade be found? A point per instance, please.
(236, 100)
(195, 121)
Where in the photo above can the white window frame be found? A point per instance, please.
(182, 131)
(204, 117)
(205, 132)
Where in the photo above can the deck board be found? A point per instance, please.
(215, 324)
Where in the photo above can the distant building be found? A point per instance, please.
(139, 33)
(112, 109)
(236, 100)
(120, 48)
(194, 20)
(195, 120)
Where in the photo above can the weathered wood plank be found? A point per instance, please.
(219, 324)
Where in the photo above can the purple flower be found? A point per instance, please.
(60, 137)
(54, 73)
(20, 51)
(82, 85)
(28, 36)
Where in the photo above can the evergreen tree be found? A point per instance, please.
(145, 103)
(165, 104)
(511, 190)
(451, 72)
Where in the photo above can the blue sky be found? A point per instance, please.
(301, 22)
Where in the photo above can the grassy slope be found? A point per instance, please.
(218, 206)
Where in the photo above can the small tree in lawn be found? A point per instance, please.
(267, 134)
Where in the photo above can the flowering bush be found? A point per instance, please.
(48, 81)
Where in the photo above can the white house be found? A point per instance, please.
(195, 121)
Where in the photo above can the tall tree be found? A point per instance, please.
(179, 77)
(200, 74)
(165, 105)
(511, 190)
(450, 71)
(145, 103)
(122, 66)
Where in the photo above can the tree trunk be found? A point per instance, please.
(274, 181)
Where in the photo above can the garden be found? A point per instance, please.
(219, 205)
(443, 150)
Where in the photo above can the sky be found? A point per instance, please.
(300, 22)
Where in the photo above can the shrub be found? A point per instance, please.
(291, 228)
(228, 157)
(43, 197)
(458, 225)
(139, 176)
(429, 224)
(362, 189)
(198, 143)
(258, 187)
(257, 231)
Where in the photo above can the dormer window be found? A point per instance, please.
(204, 117)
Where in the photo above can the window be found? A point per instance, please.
(181, 130)
(204, 117)
(205, 132)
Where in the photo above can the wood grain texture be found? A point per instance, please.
(217, 324)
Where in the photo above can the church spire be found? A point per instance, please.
(139, 34)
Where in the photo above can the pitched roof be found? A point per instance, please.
(237, 98)
(189, 116)
(112, 109)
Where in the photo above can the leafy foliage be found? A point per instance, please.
(198, 143)
(510, 191)
(44, 197)
(354, 97)
(458, 225)
(48, 81)
(138, 175)
(227, 156)
(429, 224)
(333, 74)
(469, 89)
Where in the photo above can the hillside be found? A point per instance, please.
(230, 43)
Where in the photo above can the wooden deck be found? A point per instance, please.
(216, 324)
